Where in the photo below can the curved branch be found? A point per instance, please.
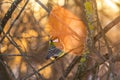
(107, 28)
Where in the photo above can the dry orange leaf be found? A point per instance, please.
(68, 29)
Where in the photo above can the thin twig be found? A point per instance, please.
(111, 64)
(8, 14)
(14, 43)
(107, 28)
(14, 20)
(70, 67)
(97, 52)
(42, 5)
(4, 75)
(99, 62)
(66, 73)
(22, 53)
(10, 72)
(31, 74)
(14, 55)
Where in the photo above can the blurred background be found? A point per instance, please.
(29, 32)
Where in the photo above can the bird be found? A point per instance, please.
(69, 31)
(53, 53)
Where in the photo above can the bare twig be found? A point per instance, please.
(67, 70)
(8, 14)
(22, 53)
(107, 28)
(14, 21)
(31, 74)
(12, 41)
(10, 72)
(3, 72)
(111, 64)
(70, 67)
(42, 5)
(97, 52)
(14, 55)
(99, 62)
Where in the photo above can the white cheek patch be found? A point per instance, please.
(55, 40)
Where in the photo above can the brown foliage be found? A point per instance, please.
(68, 29)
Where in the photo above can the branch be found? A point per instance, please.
(3, 72)
(107, 28)
(8, 14)
(31, 74)
(42, 5)
(50, 63)
(14, 21)
(70, 67)
(38, 75)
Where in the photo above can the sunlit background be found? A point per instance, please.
(29, 32)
